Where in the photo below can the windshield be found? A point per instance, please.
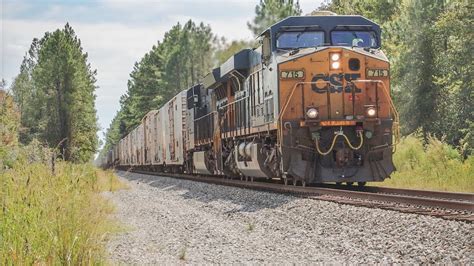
(354, 38)
(303, 39)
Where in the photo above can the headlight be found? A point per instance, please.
(335, 64)
(371, 111)
(312, 113)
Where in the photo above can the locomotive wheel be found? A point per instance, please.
(350, 183)
(361, 184)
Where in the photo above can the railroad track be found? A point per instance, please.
(454, 196)
(446, 205)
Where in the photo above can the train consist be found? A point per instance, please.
(311, 104)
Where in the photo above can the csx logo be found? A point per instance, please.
(323, 82)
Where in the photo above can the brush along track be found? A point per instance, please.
(446, 205)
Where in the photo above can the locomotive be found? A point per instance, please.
(311, 104)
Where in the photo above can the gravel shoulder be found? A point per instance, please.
(171, 221)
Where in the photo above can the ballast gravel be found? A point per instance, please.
(173, 221)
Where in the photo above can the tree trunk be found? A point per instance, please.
(63, 145)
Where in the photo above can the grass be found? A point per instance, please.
(250, 227)
(182, 253)
(55, 219)
(108, 181)
(434, 166)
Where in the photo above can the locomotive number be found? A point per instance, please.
(371, 73)
(292, 74)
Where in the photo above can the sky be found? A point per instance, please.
(116, 33)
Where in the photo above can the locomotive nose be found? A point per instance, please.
(333, 73)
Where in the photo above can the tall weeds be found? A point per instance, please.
(434, 165)
(54, 219)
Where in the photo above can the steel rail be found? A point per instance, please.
(354, 197)
(459, 196)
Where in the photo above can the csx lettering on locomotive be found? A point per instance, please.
(334, 83)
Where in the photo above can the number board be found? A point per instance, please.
(331, 123)
(373, 73)
(292, 74)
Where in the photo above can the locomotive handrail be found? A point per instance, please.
(280, 115)
(256, 71)
(197, 132)
(228, 111)
(226, 105)
(395, 125)
(221, 107)
(396, 117)
(236, 78)
(205, 116)
(231, 103)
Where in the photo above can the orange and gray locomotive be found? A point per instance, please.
(311, 104)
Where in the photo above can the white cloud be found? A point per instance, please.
(231, 28)
(309, 5)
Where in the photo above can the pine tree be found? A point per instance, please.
(26, 95)
(9, 121)
(224, 50)
(55, 92)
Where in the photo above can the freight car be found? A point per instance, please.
(311, 104)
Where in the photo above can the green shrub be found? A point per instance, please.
(435, 165)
